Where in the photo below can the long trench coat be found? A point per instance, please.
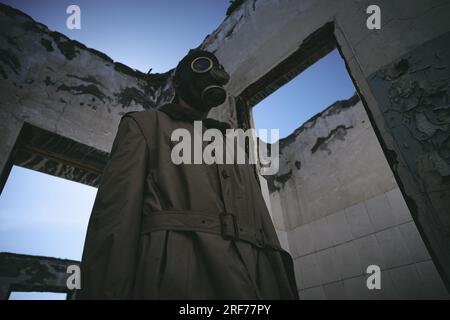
(189, 231)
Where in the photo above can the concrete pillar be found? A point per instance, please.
(9, 131)
(4, 292)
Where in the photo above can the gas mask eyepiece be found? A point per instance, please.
(201, 65)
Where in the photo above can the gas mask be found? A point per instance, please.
(199, 80)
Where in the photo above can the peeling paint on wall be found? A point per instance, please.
(49, 153)
(10, 60)
(76, 92)
(337, 133)
(91, 89)
(290, 161)
(334, 109)
(130, 94)
(19, 272)
(413, 93)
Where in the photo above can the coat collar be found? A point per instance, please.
(177, 112)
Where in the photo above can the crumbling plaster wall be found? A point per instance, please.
(330, 180)
(20, 272)
(59, 85)
(343, 211)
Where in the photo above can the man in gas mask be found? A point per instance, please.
(164, 231)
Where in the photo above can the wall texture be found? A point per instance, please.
(65, 88)
(340, 210)
(20, 272)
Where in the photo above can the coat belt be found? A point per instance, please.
(225, 224)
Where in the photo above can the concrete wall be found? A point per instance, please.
(336, 202)
(59, 85)
(28, 273)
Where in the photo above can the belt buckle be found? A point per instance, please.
(225, 223)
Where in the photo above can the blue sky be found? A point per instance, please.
(312, 91)
(44, 215)
(141, 34)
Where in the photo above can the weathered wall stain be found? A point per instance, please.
(335, 108)
(88, 78)
(276, 182)
(47, 44)
(288, 168)
(337, 133)
(83, 89)
(32, 273)
(50, 153)
(413, 93)
(130, 94)
(157, 86)
(8, 58)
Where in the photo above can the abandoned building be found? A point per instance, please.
(364, 182)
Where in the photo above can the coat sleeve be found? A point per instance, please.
(111, 246)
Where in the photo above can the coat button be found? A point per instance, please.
(225, 174)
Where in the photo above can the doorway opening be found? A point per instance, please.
(334, 202)
(48, 191)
